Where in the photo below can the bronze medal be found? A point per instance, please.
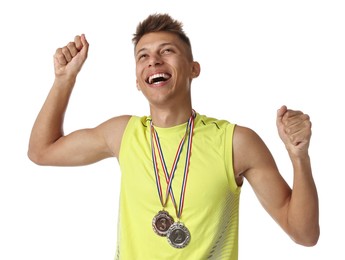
(162, 222)
(178, 235)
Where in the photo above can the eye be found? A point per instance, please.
(167, 51)
(142, 56)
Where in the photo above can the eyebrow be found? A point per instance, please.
(159, 46)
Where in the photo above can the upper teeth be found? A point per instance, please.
(159, 75)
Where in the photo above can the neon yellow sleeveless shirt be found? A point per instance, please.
(211, 206)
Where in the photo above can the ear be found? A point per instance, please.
(195, 69)
(138, 87)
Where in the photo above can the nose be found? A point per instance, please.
(155, 60)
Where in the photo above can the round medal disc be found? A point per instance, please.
(162, 222)
(178, 235)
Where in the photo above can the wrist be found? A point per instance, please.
(63, 81)
(301, 158)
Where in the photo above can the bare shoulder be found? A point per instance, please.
(112, 130)
(245, 139)
(242, 133)
(250, 151)
(116, 122)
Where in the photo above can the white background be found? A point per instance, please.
(255, 56)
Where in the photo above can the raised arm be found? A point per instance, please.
(295, 210)
(48, 145)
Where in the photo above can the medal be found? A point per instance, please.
(178, 235)
(162, 222)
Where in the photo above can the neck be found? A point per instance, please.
(169, 117)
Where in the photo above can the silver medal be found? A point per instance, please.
(178, 235)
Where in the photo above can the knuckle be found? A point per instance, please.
(70, 44)
(65, 50)
(59, 55)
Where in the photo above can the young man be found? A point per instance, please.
(181, 171)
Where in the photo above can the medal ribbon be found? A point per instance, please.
(169, 177)
(186, 169)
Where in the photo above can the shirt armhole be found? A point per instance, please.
(229, 158)
(126, 133)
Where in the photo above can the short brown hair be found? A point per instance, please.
(159, 23)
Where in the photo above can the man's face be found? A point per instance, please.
(164, 69)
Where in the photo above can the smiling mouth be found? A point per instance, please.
(158, 78)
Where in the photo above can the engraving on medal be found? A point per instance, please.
(162, 222)
(178, 235)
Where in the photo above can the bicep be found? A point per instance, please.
(80, 147)
(87, 146)
(254, 161)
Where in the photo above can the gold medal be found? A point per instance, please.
(162, 222)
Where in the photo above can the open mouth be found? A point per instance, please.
(158, 78)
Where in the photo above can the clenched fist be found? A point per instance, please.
(294, 128)
(69, 59)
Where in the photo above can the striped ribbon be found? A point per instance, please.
(170, 177)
